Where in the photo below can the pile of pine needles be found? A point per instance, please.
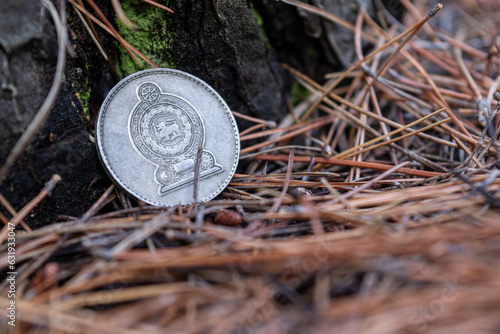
(373, 207)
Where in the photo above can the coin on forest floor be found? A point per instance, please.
(160, 129)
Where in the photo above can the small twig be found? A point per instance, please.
(13, 211)
(268, 124)
(97, 205)
(197, 165)
(284, 191)
(159, 5)
(348, 163)
(417, 15)
(252, 129)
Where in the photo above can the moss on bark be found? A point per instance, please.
(153, 37)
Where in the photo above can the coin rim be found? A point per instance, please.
(99, 128)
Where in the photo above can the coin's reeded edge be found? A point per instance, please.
(99, 128)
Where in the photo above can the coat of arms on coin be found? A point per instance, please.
(149, 132)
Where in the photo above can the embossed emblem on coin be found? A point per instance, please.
(167, 116)
(168, 131)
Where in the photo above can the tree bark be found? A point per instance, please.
(28, 57)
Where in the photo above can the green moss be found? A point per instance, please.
(84, 100)
(152, 37)
(83, 97)
(298, 93)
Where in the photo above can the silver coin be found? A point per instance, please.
(149, 133)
